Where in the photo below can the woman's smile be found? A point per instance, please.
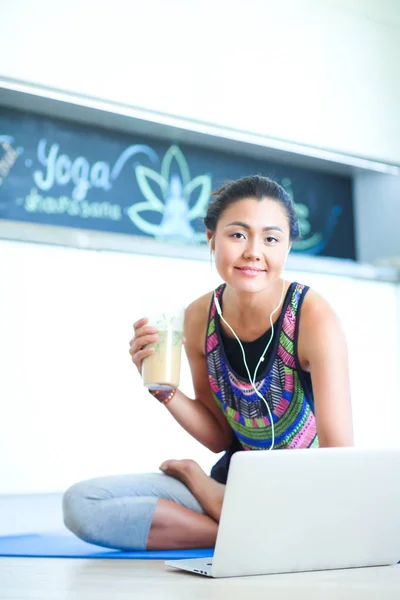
(250, 271)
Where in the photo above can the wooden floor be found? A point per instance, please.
(76, 579)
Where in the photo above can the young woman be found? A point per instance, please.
(269, 366)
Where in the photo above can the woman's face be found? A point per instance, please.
(251, 243)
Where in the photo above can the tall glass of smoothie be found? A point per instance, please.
(161, 370)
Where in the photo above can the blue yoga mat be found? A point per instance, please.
(68, 546)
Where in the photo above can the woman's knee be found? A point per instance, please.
(92, 508)
(76, 504)
(96, 515)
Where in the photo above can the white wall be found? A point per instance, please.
(72, 404)
(324, 74)
(31, 513)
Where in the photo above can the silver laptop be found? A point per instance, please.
(306, 510)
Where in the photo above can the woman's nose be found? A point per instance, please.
(252, 251)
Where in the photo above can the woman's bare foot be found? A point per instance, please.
(182, 469)
(207, 491)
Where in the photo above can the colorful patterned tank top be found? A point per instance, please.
(282, 382)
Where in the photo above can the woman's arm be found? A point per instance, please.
(322, 351)
(201, 417)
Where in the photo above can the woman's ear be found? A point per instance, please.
(210, 240)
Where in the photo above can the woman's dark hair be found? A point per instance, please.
(255, 186)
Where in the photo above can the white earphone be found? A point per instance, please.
(252, 379)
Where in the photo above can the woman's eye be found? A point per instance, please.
(271, 240)
(237, 235)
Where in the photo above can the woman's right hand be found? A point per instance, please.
(144, 334)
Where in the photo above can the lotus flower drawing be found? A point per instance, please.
(173, 200)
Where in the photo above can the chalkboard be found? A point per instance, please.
(71, 175)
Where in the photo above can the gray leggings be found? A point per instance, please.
(117, 511)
